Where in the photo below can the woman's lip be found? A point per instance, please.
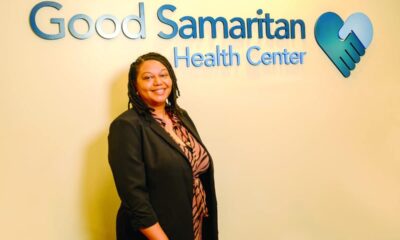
(159, 91)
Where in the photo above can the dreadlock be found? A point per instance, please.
(135, 101)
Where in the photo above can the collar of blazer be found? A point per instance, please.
(155, 126)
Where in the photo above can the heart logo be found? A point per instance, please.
(343, 42)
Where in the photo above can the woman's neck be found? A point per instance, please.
(160, 111)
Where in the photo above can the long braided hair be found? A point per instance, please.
(135, 101)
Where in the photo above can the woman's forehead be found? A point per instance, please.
(152, 66)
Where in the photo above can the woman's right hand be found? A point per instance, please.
(154, 232)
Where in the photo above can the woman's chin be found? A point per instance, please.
(158, 102)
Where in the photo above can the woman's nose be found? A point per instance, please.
(157, 81)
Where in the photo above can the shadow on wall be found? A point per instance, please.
(100, 201)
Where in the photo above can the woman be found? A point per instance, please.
(162, 171)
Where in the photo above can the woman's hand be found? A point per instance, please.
(154, 232)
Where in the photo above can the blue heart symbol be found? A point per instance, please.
(343, 42)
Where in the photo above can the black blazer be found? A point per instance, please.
(154, 179)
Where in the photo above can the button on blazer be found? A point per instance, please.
(154, 179)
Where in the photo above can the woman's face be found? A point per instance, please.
(153, 83)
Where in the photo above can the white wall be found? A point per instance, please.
(300, 152)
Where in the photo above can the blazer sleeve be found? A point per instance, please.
(125, 159)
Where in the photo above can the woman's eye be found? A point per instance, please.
(147, 77)
(164, 75)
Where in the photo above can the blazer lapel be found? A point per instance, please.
(191, 129)
(155, 126)
(189, 126)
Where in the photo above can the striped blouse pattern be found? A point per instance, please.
(199, 161)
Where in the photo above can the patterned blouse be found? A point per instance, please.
(199, 160)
